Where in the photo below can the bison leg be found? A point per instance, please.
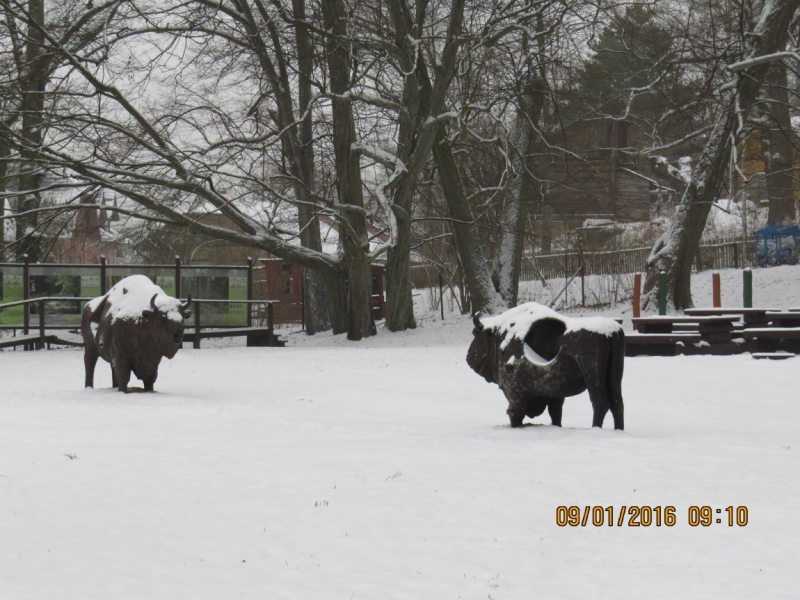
(516, 412)
(123, 374)
(618, 412)
(554, 408)
(113, 376)
(599, 398)
(149, 382)
(90, 356)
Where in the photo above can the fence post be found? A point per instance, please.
(637, 295)
(102, 274)
(716, 292)
(441, 296)
(26, 294)
(41, 325)
(271, 324)
(698, 264)
(196, 341)
(735, 255)
(178, 276)
(747, 288)
(662, 293)
(249, 290)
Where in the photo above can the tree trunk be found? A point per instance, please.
(336, 293)
(776, 144)
(674, 251)
(4, 154)
(317, 287)
(421, 100)
(33, 82)
(399, 301)
(523, 189)
(353, 235)
(474, 267)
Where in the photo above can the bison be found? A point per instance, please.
(132, 327)
(538, 357)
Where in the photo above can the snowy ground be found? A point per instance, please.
(386, 469)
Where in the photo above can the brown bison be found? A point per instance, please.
(538, 357)
(132, 327)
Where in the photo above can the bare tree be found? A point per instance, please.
(674, 252)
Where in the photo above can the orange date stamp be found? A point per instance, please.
(647, 516)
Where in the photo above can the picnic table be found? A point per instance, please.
(772, 339)
(751, 317)
(784, 319)
(713, 329)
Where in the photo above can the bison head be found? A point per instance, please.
(482, 353)
(165, 324)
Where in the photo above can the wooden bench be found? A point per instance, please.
(25, 340)
(772, 339)
(784, 319)
(712, 329)
(256, 336)
(658, 344)
(751, 317)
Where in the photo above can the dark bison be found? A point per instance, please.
(132, 327)
(538, 357)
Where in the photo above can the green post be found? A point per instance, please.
(747, 288)
(662, 293)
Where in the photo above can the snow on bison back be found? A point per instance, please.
(132, 327)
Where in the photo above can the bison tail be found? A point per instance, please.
(616, 364)
(91, 316)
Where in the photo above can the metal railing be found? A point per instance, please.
(197, 326)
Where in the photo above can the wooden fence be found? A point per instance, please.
(718, 254)
(731, 253)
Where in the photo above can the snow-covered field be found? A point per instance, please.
(386, 469)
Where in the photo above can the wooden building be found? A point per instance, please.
(283, 281)
(603, 177)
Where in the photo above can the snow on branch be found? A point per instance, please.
(385, 158)
(760, 60)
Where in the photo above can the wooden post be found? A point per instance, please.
(102, 275)
(735, 255)
(580, 258)
(41, 325)
(196, 342)
(26, 294)
(249, 290)
(178, 276)
(302, 300)
(662, 293)
(637, 295)
(717, 294)
(747, 288)
(441, 296)
(270, 324)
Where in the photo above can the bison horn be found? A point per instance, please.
(188, 302)
(153, 303)
(476, 320)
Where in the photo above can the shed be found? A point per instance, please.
(283, 281)
(776, 246)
